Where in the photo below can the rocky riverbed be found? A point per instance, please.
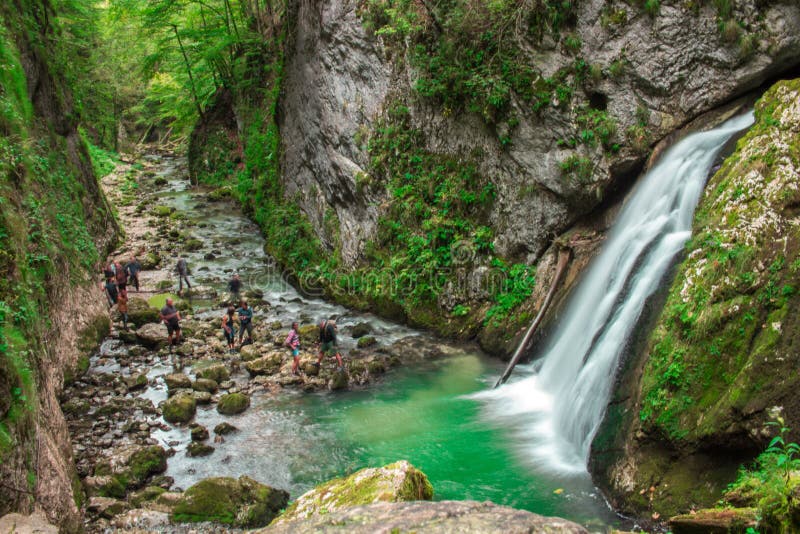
(130, 413)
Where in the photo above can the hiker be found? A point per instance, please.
(245, 322)
(122, 307)
(133, 269)
(183, 274)
(121, 276)
(109, 271)
(228, 328)
(111, 291)
(293, 342)
(171, 317)
(234, 286)
(327, 338)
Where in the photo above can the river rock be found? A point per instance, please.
(242, 503)
(106, 507)
(179, 408)
(152, 335)
(195, 449)
(136, 381)
(440, 517)
(366, 341)
(36, 523)
(139, 520)
(224, 428)
(202, 397)
(233, 403)
(251, 352)
(361, 330)
(339, 380)
(213, 370)
(395, 482)
(150, 261)
(199, 432)
(715, 520)
(141, 313)
(177, 381)
(309, 334)
(205, 384)
(150, 493)
(265, 365)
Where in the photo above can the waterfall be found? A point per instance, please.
(557, 404)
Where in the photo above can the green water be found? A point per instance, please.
(423, 415)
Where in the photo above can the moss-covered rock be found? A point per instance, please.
(242, 503)
(395, 482)
(309, 334)
(177, 381)
(148, 494)
(723, 350)
(721, 520)
(224, 428)
(145, 463)
(205, 384)
(265, 365)
(199, 432)
(196, 449)
(339, 380)
(140, 312)
(360, 330)
(212, 370)
(366, 341)
(233, 403)
(162, 211)
(179, 408)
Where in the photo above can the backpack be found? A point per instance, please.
(328, 333)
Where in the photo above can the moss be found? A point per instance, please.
(233, 403)
(366, 341)
(147, 462)
(212, 370)
(148, 494)
(195, 449)
(116, 487)
(162, 211)
(179, 408)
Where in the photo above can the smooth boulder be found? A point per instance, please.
(179, 408)
(152, 335)
(233, 403)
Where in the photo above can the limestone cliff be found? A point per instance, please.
(386, 169)
(722, 360)
(54, 223)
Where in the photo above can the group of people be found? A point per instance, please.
(117, 277)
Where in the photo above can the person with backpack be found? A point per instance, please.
(121, 276)
(228, 328)
(171, 317)
(110, 289)
(293, 342)
(122, 307)
(109, 271)
(327, 339)
(182, 268)
(133, 268)
(245, 322)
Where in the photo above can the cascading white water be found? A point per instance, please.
(558, 403)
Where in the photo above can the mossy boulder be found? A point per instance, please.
(309, 334)
(395, 482)
(212, 370)
(339, 380)
(152, 335)
(150, 261)
(177, 381)
(224, 428)
(148, 494)
(140, 312)
(233, 403)
(366, 341)
(360, 330)
(252, 352)
(720, 520)
(242, 503)
(205, 384)
(162, 211)
(265, 365)
(179, 408)
(145, 463)
(193, 244)
(199, 432)
(196, 449)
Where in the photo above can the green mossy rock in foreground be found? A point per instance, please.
(395, 482)
(140, 312)
(233, 403)
(722, 520)
(242, 503)
(723, 355)
(179, 408)
(212, 370)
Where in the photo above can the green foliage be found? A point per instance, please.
(469, 55)
(577, 168)
(517, 286)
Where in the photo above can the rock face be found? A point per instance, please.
(395, 482)
(721, 361)
(242, 503)
(435, 517)
(35, 523)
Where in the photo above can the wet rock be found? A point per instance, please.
(150, 493)
(35, 523)
(138, 520)
(202, 397)
(105, 486)
(213, 370)
(141, 313)
(106, 507)
(233, 403)
(205, 384)
(145, 462)
(150, 261)
(309, 334)
(152, 335)
(715, 521)
(310, 369)
(199, 432)
(251, 352)
(224, 428)
(75, 407)
(395, 482)
(265, 365)
(193, 244)
(367, 341)
(195, 449)
(361, 330)
(242, 503)
(227, 384)
(179, 408)
(177, 381)
(136, 381)
(468, 517)
(339, 380)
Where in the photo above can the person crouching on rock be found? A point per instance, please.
(327, 339)
(228, 328)
(245, 323)
(122, 307)
(171, 317)
(293, 342)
